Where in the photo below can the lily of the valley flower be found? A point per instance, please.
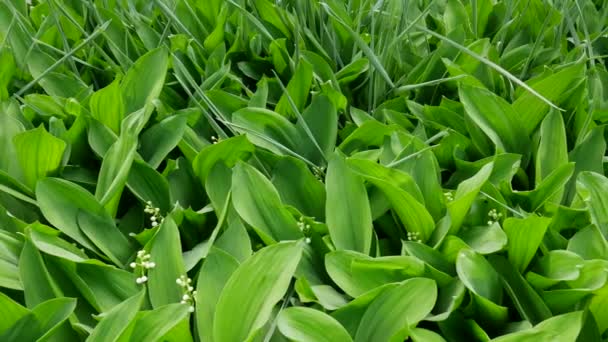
(141, 265)
(188, 291)
(155, 217)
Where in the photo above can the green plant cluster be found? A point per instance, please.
(303, 170)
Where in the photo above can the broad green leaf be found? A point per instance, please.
(589, 243)
(413, 215)
(495, 116)
(485, 239)
(115, 321)
(531, 109)
(560, 265)
(60, 202)
(479, 276)
(160, 139)
(10, 248)
(588, 156)
(102, 285)
(350, 315)
(54, 245)
(166, 251)
(267, 129)
(550, 189)
(321, 118)
(525, 236)
(103, 233)
(248, 298)
(214, 274)
(560, 328)
(38, 285)
(347, 209)
(397, 308)
(227, 151)
(42, 321)
(140, 86)
(424, 335)
(527, 302)
(10, 312)
(597, 307)
(39, 154)
(553, 149)
(153, 325)
(310, 325)
(298, 89)
(9, 128)
(593, 189)
(107, 106)
(149, 185)
(115, 171)
(465, 196)
(258, 203)
(307, 195)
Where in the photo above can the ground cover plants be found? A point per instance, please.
(303, 170)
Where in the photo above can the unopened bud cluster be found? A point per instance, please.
(141, 265)
(494, 216)
(188, 291)
(155, 217)
(319, 172)
(305, 228)
(448, 196)
(414, 236)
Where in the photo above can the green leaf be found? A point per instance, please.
(10, 312)
(298, 89)
(553, 149)
(166, 251)
(214, 275)
(267, 129)
(347, 209)
(257, 202)
(397, 308)
(107, 106)
(42, 322)
(496, 118)
(39, 154)
(54, 245)
(140, 86)
(525, 236)
(485, 239)
(103, 233)
(248, 298)
(153, 325)
(531, 109)
(593, 189)
(413, 215)
(478, 275)
(465, 195)
(321, 118)
(60, 202)
(38, 285)
(115, 171)
(227, 151)
(149, 185)
(310, 325)
(559, 328)
(115, 321)
(527, 302)
(307, 195)
(160, 139)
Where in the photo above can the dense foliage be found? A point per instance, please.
(306, 170)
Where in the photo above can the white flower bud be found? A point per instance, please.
(191, 309)
(133, 265)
